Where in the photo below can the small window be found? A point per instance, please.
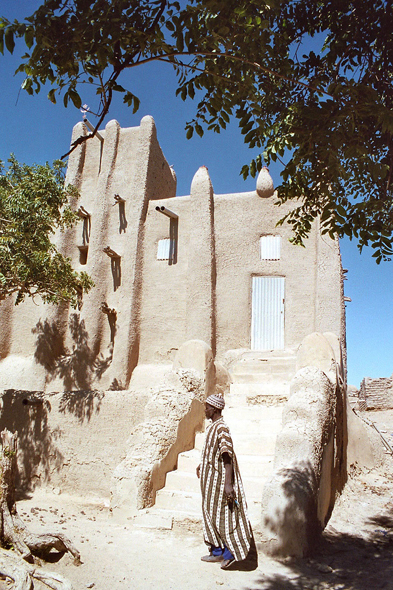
(167, 250)
(270, 247)
(164, 249)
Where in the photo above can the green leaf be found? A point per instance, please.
(191, 91)
(199, 130)
(222, 123)
(76, 99)
(244, 171)
(183, 92)
(129, 98)
(52, 95)
(102, 55)
(118, 88)
(326, 214)
(249, 136)
(245, 119)
(27, 85)
(247, 128)
(190, 132)
(9, 39)
(180, 42)
(137, 103)
(29, 37)
(225, 116)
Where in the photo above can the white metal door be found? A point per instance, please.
(267, 317)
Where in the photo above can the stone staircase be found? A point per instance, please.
(253, 412)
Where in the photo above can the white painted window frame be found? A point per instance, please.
(270, 247)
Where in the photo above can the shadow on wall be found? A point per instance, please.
(77, 367)
(38, 454)
(122, 217)
(340, 561)
(116, 272)
(82, 404)
(299, 486)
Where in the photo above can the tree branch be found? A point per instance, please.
(107, 98)
(158, 16)
(227, 56)
(84, 138)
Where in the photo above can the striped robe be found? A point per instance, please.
(221, 525)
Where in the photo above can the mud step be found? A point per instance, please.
(188, 505)
(256, 412)
(188, 482)
(241, 393)
(244, 444)
(257, 426)
(264, 367)
(264, 380)
(250, 465)
(189, 502)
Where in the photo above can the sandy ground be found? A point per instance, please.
(356, 552)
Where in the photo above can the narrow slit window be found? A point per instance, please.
(270, 247)
(83, 252)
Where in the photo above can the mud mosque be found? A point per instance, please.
(193, 294)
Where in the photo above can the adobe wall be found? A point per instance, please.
(141, 309)
(57, 348)
(330, 303)
(71, 441)
(376, 394)
(310, 467)
(239, 220)
(164, 296)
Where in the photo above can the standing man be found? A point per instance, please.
(226, 528)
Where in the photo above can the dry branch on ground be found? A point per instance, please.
(19, 564)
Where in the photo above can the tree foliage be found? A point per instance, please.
(33, 204)
(324, 109)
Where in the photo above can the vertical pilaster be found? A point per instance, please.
(57, 316)
(201, 281)
(126, 348)
(99, 267)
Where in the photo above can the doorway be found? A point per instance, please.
(267, 315)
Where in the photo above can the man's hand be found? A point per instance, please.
(228, 485)
(198, 471)
(229, 492)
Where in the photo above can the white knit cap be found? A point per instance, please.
(217, 401)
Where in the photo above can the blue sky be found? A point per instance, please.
(35, 130)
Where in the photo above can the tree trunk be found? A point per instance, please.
(14, 533)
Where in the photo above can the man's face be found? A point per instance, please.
(209, 411)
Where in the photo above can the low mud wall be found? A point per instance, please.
(73, 441)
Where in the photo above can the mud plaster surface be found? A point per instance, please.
(356, 552)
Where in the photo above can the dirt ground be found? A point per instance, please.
(356, 552)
